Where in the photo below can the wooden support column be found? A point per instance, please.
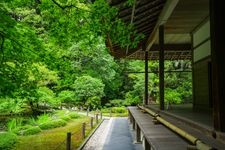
(146, 78)
(147, 145)
(161, 66)
(133, 123)
(138, 133)
(218, 62)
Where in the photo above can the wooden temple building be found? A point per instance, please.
(180, 30)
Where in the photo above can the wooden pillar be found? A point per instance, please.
(133, 123)
(147, 145)
(217, 32)
(83, 129)
(161, 66)
(138, 133)
(146, 78)
(68, 141)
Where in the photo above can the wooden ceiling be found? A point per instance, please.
(185, 18)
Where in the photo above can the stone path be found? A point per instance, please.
(113, 134)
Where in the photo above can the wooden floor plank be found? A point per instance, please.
(157, 135)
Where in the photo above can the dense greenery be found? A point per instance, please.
(53, 55)
(7, 140)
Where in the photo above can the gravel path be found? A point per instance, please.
(112, 134)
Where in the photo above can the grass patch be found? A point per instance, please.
(52, 124)
(7, 140)
(50, 139)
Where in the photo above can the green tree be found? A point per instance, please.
(86, 87)
(67, 97)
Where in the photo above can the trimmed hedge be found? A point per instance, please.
(7, 140)
(52, 124)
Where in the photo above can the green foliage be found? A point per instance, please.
(7, 140)
(86, 87)
(43, 118)
(52, 124)
(65, 118)
(74, 115)
(14, 123)
(119, 109)
(54, 53)
(45, 94)
(66, 96)
(116, 102)
(32, 130)
(26, 130)
(172, 96)
(9, 105)
(130, 100)
(94, 102)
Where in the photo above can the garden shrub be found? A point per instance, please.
(20, 129)
(14, 123)
(32, 130)
(116, 102)
(65, 118)
(74, 115)
(119, 110)
(43, 118)
(52, 124)
(7, 140)
(105, 110)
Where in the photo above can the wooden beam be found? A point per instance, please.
(156, 72)
(172, 47)
(164, 15)
(146, 78)
(217, 32)
(161, 67)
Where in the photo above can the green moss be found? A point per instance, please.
(52, 124)
(7, 140)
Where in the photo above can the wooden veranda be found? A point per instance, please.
(171, 29)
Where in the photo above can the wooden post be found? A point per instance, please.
(87, 111)
(217, 33)
(68, 141)
(97, 118)
(147, 145)
(92, 122)
(83, 129)
(133, 124)
(101, 115)
(110, 112)
(146, 78)
(138, 133)
(161, 66)
(130, 116)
